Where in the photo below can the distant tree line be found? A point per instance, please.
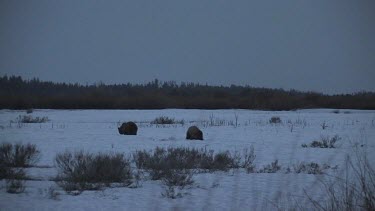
(17, 93)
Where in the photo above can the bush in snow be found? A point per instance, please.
(159, 161)
(353, 189)
(271, 168)
(166, 120)
(309, 168)
(249, 157)
(18, 155)
(178, 177)
(275, 120)
(83, 171)
(325, 142)
(11, 173)
(15, 186)
(30, 119)
(175, 180)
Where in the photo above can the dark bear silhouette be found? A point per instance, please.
(193, 133)
(128, 128)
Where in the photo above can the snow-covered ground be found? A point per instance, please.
(96, 131)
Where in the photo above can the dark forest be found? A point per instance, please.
(17, 93)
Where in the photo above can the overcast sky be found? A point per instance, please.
(326, 46)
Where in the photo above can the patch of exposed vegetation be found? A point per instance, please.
(324, 142)
(273, 167)
(309, 168)
(159, 161)
(166, 120)
(15, 186)
(275, 120)
(84, 171)
(18, 155)
(31, 119)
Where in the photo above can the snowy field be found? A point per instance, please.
(234, 130)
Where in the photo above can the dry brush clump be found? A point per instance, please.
(354, 189)
(160, 160)
(15, 186)
(324, 142)
(14, 157)
(166, 120)
(275, 120)
(248, 160)
(175, 167)
(175, 180)
(310, 168)
(273, 167)
(18, 155)
(85, 171)
(31, 119)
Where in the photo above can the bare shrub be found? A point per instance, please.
(11, 173)
(249, 157)
(271, 168)
(355, 190)
(159, 161)
(29, 111)
(223, 161)
(309, 168)
(166, 120)
(18, 155)
(85, 171)
(15, 186)
(275, 120)
(74, 188)
(17, 174)
(52, 193)
(31, 119)
(178, 177)
(325, 142)
(175, 181)
(324, 125)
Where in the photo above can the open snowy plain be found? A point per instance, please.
(234, 130)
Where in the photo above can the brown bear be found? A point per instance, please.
(128, 128)
(193, 133)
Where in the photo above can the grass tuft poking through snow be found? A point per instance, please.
(355, 190)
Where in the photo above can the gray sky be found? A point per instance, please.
(325, 46)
